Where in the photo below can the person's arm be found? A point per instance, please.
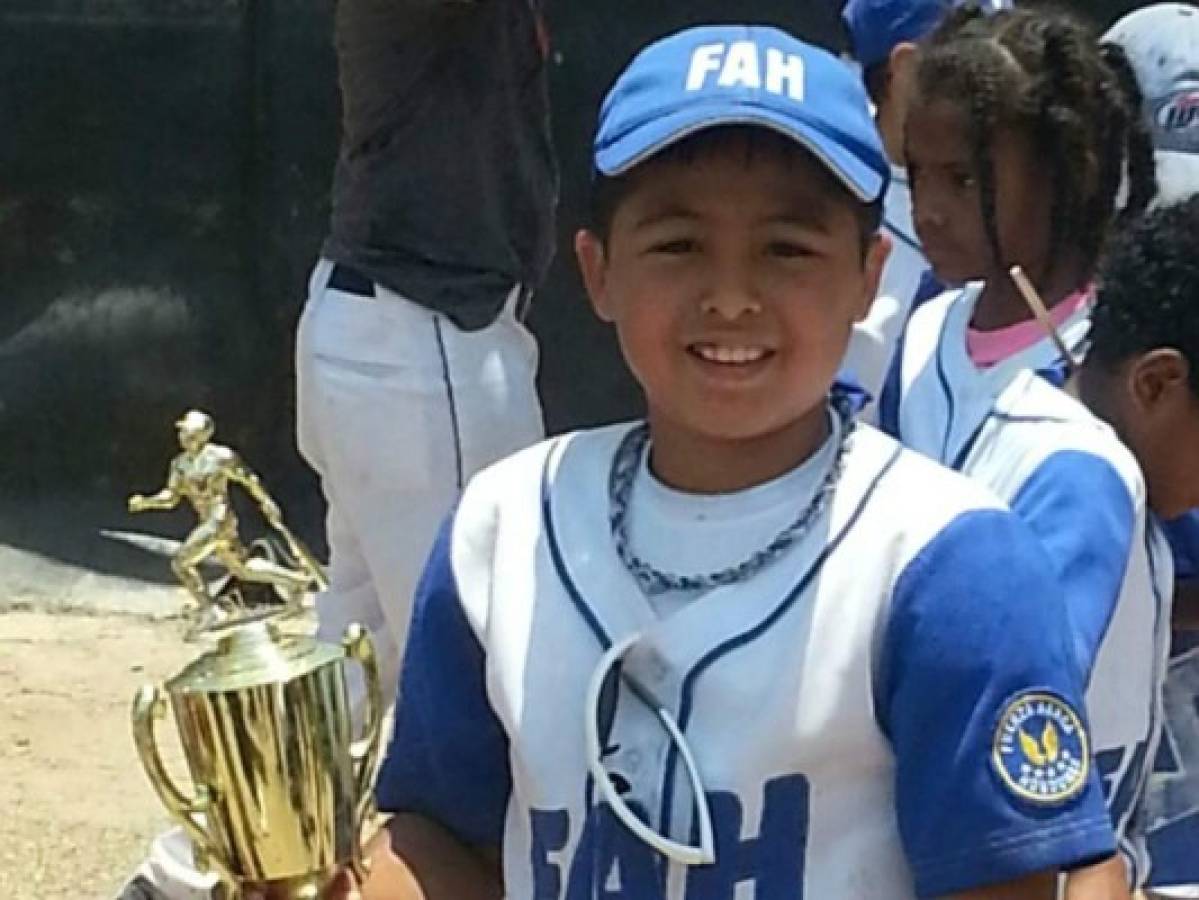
(167, 498)
(979, 694)
(1106, 881)
(445, 777)
(242, 474)
(1083, 514)
(415, 859)
(1042, 886)
(1088, 512)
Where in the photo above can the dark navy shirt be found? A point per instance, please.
(446, 182)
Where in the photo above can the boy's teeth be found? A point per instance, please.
(729, 355)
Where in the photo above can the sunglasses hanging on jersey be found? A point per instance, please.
(601, 708)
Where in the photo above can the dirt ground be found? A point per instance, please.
(78, 811)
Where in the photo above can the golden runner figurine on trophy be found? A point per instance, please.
(202, 474)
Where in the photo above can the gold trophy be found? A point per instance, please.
(282, 789)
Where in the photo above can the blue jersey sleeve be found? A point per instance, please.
(1082, 513)
(448, 758)
(1183, 534)
(977, 691)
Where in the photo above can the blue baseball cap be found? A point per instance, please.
(716, 76)
(876, 27)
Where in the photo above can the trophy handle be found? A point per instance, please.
(148, 707)
(364, 752)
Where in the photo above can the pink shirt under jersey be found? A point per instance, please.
(986, 348)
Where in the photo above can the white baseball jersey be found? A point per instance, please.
(873, 341)
(1069, 477)
(888, 711)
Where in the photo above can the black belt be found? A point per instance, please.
(350, 281)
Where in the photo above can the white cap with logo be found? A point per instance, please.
(1162, 44)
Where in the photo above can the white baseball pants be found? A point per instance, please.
(396, 409)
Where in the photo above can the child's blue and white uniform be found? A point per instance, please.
(1068, 476)
(889, 711)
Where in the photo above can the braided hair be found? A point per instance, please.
(1044, 74)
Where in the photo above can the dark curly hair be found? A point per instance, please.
(1149, 290)
(1044, 73)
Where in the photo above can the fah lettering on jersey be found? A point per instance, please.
(743, 64)
(609, 862)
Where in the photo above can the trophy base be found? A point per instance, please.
(218, 622)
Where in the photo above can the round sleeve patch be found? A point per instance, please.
(1042, 753)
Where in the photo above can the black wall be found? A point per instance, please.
(164, 170)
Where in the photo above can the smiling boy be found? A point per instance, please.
(746, 647)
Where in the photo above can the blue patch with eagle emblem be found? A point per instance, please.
(1042, 753)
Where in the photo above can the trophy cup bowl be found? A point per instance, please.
(282, 789)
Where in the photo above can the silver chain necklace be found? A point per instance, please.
(654, 581)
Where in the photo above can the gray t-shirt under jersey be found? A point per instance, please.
(446, 182)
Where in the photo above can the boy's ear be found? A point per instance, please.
(892, 114)
(872, 270)
(1158, 377)
(593, 264)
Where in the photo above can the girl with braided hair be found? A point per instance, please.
(1018, 141)
(1020, 136)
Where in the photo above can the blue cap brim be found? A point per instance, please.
(645, 141)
